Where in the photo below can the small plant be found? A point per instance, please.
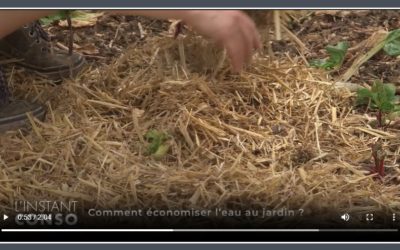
(157, 147)
(378, 154)
(336, 57)
(382, 98)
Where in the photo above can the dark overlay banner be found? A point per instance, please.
(282, 4)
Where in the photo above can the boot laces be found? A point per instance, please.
(39, 34)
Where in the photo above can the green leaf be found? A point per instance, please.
(363, 96)
(393, 35)
(381, 96)
(319, 63)
(161, 152)
(375, 100)
(392, 48)
(336, 57)
(385, 93)
(52, 19)
(60, 15)
(392, 43)
(390, 92)
(156, 139)
(386, 107)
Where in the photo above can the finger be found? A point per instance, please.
(256, 35)
(253, 33)
(251, 36)
(250, 42)
(257, 44)
(236, 55)
(247, 38)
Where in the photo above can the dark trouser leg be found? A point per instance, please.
(4, 91)
(13, 113)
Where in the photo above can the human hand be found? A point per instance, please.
(233, 30)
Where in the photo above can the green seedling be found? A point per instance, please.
(158, 146)
(381, 98)
(336, 57)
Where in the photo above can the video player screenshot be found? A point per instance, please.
(202, 124)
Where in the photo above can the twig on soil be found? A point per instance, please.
(61, 46)
(376, 132)
(277, 23)
(376, 41)
(182, 56)
(269, 17)
(71, 34)
(220, 64)
(115, 36)
(295, 39)
(141, 31)
(352, 87)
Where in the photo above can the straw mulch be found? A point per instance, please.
(278, 135)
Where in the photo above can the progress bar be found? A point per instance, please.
(199, 230)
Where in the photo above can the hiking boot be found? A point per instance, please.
(13, 114)
(31, 47)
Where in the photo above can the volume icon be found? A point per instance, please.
(345, 217)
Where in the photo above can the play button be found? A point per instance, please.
(5, 217)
